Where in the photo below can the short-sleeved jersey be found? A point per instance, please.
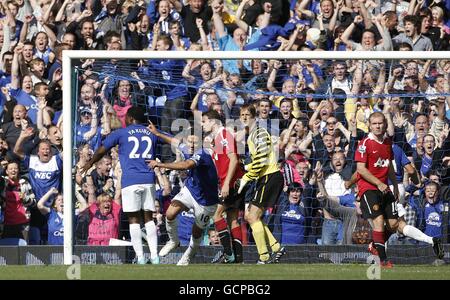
(377, 157)
(44, 176)
(293, 225)
(202, 180)
(136, 145)
(55, 228)
(224, 144)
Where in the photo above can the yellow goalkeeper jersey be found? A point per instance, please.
(262, 152)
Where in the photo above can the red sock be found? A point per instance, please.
(236, 233)
(221, 225)
(378, 239)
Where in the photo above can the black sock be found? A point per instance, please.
(224, 236)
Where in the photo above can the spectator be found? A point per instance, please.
(413, 36)
(433, 211)
(104, 220)
(54, 215)
(19, 198)
(45, 172)
(292, 217)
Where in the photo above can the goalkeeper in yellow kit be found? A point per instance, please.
(269, 184)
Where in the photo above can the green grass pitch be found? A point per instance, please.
(233, 272)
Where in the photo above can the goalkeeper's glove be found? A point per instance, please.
(241, 182)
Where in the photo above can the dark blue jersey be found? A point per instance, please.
(433, 219)
(292, 225)
(136, 145)
(202, 180)
(44, 176)
(401, 161)
(55, 228)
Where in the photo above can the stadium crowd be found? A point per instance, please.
(316, 111)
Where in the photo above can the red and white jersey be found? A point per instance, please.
(376, 155)
(224, 143)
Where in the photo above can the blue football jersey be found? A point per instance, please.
(55, 228)
(202, 180)
(400, 161)
(44, 176)
(136, 145)
(293, 225)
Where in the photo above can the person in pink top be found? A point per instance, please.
(16, 200)
(123, 102)
(104, 221)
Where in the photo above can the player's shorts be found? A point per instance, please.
(375, 203)
(234, 200)
(138, 197)
(268, 190)
(202, 213)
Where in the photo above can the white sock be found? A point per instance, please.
(413, 232)
(136, 240)
(172, 230)
(152, 238)
(193, 246)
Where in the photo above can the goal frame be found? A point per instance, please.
(68, 99)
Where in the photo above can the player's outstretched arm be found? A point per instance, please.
(166, 138)
(95, 158)
(181, 165)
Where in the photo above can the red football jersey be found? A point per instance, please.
(377, 156)
(224, 143)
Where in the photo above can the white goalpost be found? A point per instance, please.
(69, 98)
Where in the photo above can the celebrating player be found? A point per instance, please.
(269, 185)
(374, 165)
(136, 144)
(198, 193)
(226, 161)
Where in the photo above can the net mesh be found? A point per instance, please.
(331, 101)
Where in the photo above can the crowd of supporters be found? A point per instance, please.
(316, 110)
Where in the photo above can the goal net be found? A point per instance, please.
(316, 106)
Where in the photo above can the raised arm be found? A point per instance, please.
(94, 123)
(267, 7)
(25, 133)
(61, 12)
(239, 12)
(46, 15)
(163, 181)
(276, 64)
(41, 105)
(194, 102)
(349, 30)
(177, 5)
(423, 83)
(15, 76)
(203, 36)
(217, 9)
(101, 151)
(365, 14)
(41, 203)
